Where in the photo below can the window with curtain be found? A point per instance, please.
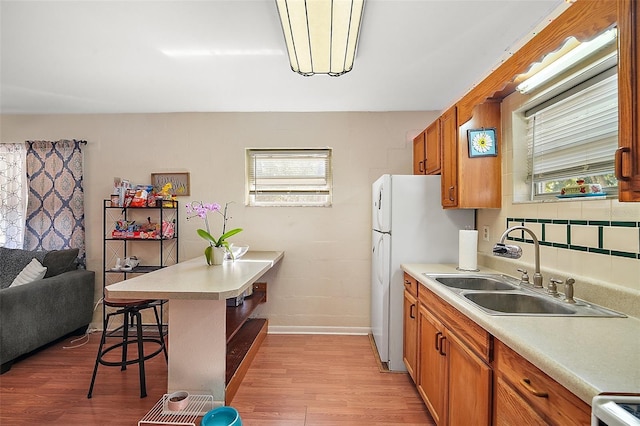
(13, 194)
(574, 136)
(55, 208)
(288, 177)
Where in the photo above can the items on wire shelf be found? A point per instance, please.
(126, 194)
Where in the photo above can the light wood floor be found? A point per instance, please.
(294, 380)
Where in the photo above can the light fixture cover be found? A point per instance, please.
(321, 35)
(582, 51)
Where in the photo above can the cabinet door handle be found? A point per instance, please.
(411, 314)
(421, 166)
(442, 340)
(526, 383)
(438, 335)
(407, 282)
(618, 167)
(451, 188)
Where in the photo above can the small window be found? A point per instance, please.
(574, 136)
(289, 177)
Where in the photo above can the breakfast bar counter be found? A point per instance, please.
(197, 314)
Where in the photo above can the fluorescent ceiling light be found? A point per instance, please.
(321, 35)
(184, 53)
(568, 60)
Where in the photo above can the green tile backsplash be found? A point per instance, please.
(589, 235)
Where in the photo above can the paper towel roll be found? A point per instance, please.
(468, 250)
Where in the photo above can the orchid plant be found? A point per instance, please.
(200, 209)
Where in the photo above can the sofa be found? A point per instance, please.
(37, 306)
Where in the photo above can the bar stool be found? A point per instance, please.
(131, 312)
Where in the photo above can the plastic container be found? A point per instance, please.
(222, 416)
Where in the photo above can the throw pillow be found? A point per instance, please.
(60, 261)
(12, 261)
(32, 272)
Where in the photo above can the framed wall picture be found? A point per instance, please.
(179, 182)
(482, 142)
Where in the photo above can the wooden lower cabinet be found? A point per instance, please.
(410, 337)
(432, 365)
(467, 377)
(469, 385)
(511, 409)
(454, 382)
(524, 391)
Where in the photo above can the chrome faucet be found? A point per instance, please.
(515, 252)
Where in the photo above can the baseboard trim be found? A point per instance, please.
(279, 329)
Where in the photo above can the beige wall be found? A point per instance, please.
(598, 275)
(323, 282)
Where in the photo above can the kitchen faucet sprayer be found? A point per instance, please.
(515, 252)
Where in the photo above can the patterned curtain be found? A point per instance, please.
(13, 194)
(55, 210)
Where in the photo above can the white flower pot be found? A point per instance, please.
(218, 255)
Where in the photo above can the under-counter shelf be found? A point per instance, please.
(159, 414)
(236, 316)
(244, 337)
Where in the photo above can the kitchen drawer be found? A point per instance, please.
(474, 336)
(411, 284)
(549, 399)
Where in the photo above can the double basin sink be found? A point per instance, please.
(498, 294)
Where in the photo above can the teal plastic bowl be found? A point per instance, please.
(222, 416)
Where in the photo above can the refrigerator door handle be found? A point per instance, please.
(377, 247)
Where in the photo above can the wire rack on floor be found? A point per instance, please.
(161, 415)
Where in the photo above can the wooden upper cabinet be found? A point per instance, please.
(449, 142)
(475, 182)
(628, 153)
(470, 183)
(433, 143)
(419, 154)
(480, 178)
(426, 151)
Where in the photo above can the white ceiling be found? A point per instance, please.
(107, 56)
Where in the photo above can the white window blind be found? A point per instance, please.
(575, 135)
(289, 177)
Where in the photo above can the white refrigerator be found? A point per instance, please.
(409, 226)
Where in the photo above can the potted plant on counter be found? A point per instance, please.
(218, 247)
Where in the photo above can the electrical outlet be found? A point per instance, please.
(485, 233)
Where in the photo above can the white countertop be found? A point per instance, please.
(588, 356)
(195, 280)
